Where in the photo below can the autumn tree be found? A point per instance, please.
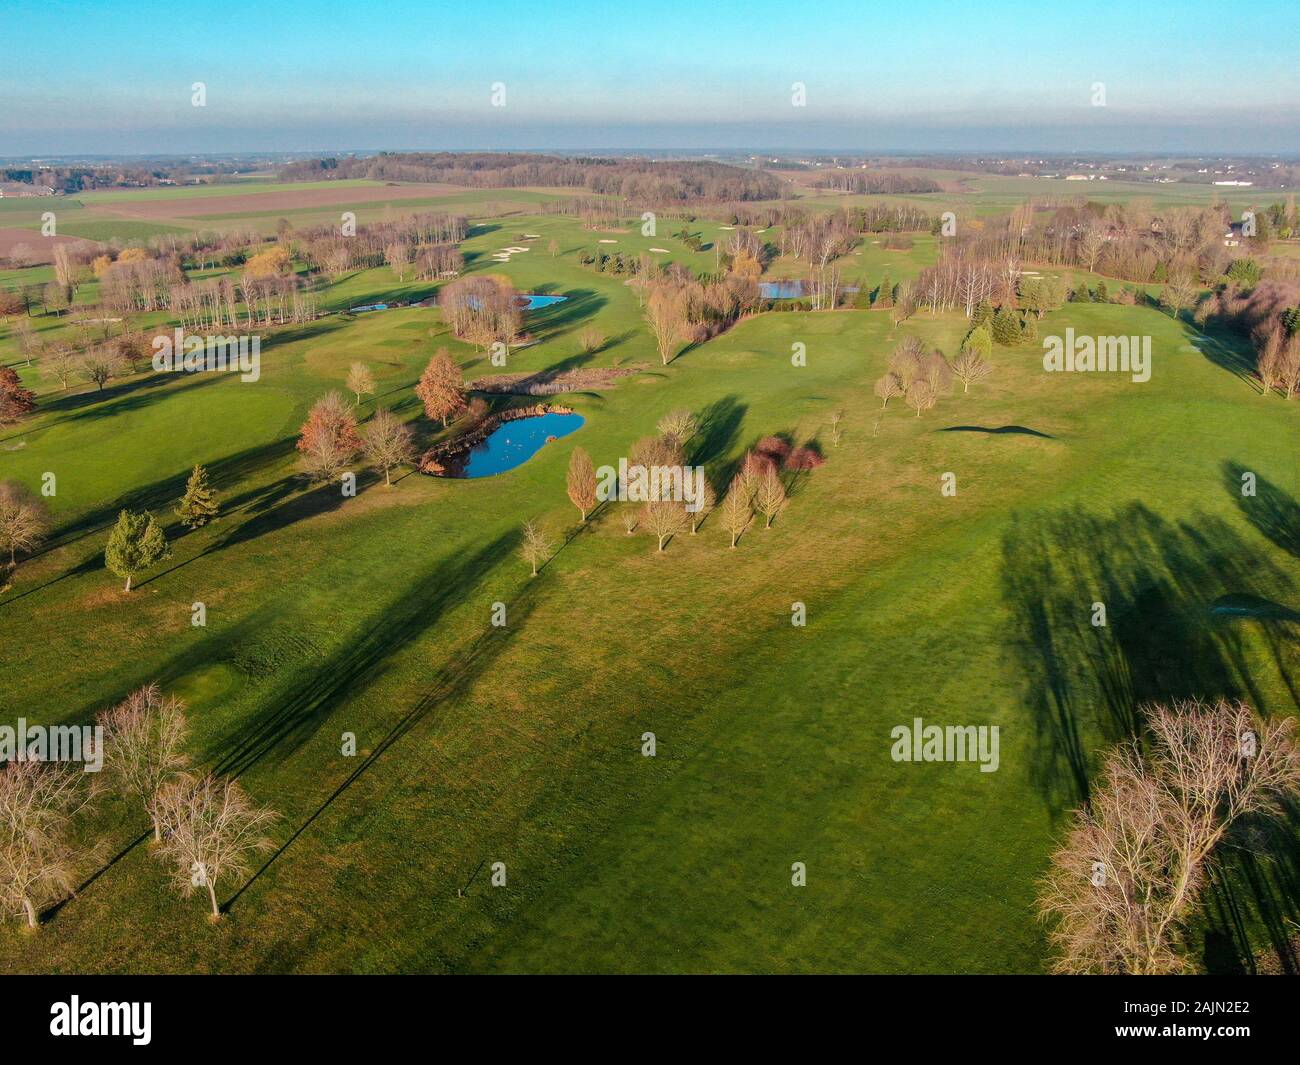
(360, 380)
(198, 505)
(737, 510)
(581, 482)
(328, 440)
(920, 396)
(15, 400)
(135, 544)
(39, 851)
(24, 520)
(144, 739)
(664, 518)
(210, 832)
(969, 367)
(441, 388)
(1122, 889)
(386, 442)
(535, 548)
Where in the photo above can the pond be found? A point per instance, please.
(533, 300)
(511, 444)
(781, 290)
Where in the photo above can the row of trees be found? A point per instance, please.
(921, 377)
(205, 828)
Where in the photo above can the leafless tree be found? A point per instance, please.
(969, 367)
(24, 520)
(678, 425)
(210, 832)
(664, 518)
(536, 547)
(386, 442)
(666, 318)
(887, 388)
(581, 482)
(920, 396)
(1134, 866)
(145, 738)
(837, 427)
(737, 508)
(360, 380)
(39, 853)
(769, 496)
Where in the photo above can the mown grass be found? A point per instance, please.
(522, 744)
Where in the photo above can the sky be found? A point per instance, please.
(116, 77)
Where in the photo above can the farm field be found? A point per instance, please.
(522, 743)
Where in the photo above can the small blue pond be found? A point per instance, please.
(780, 290)
(532, 300)
(368, 307)
(511, 444)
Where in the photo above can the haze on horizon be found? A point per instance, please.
(928, 76)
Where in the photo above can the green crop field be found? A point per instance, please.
(522, 743)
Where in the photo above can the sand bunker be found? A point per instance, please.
(662, 250)
(607, 240)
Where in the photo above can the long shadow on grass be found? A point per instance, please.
(295, 718)
(1271, 510)
(453, 681)
(1177, 625)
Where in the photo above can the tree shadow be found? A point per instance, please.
(1019, 430)
(1270, 510)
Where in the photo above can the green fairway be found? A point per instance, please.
(522, 744)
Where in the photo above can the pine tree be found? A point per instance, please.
(885, 293)
(1006, 327)
(136, 543)
(199, 504)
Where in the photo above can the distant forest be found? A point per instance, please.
(644, 180)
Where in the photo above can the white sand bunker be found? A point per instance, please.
(514, 251)
(663, 250)
(607, 240)
(531, 236)
(726, 227)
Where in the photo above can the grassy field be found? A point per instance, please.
(522, 744)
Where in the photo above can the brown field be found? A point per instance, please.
(41, 248)
(256, 202)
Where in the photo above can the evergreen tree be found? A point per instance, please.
(980, 340)
(1006, 327)
(136, 543)
(885, 293)
(983, 314)
(199, 504)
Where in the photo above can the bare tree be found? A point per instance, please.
(581, 482)
(591, 339)
(737, 510)
(210, 832)
(535, 547)
(24, 520)
(969, 367)
(769, 496)
(887, 388)
(665, 518)
(1132, 870)
(39, 854)
(145, 738)
(386, 442)
(678, 425)
(631, 518)
(360, 380)
(920, 396)
(837, 427)
(666, 318)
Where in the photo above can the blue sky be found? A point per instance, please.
(116, 76)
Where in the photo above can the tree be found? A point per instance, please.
(887, 388)
(62, 362)
(273, 262)
(535, 547)
(666, 317)
(1180, 293)
(38, 853)
(920, 396)
(581, 482)
(885, 293)
(679, 425)
(198, 505)
(360, 380)
(1120, 891)
(705, 505)
(210, 832)
(136, 543)
(1006, 327)
(769, 496)
(328, 439)
(100, 364)
(591, 339)
(24, 520)
(737, 511)
(57, 298)
(387, 442)
(553, 246)
(145, 738)
(15, 401)
(664, 518)
(980, 340)
(969, 367)
(441, 387)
